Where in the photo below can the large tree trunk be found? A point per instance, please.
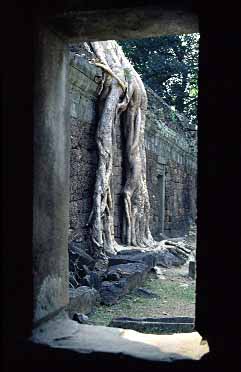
(123, 94)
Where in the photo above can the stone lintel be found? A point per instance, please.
(126, 23)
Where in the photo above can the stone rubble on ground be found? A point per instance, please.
(109, 281)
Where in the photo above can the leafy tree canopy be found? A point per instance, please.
(169, 65)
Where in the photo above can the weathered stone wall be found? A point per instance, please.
(171, 165)
(83, 159)
(171, 169)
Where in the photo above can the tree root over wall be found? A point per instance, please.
(122, 97)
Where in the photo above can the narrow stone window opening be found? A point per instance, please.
(161, 201)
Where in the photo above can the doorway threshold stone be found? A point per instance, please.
(63, 333)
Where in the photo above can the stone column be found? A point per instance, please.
(51, 176)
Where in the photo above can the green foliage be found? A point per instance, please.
(169, 65)
(172, 115)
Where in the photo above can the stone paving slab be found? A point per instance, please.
(160, 325)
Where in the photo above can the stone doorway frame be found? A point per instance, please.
(51, 161)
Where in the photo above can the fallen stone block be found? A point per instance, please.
(131, 276)
(149, 258)
(82, 300)
(112, 276)
(169, 256)
(179, 246)
(192, 269)
(132, 271)
(92, 280)
(166, 258)
(179, 254)
(166, 254)
(111, 292)
(158, 325)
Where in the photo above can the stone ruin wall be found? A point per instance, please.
(171, 158)
(169, 162)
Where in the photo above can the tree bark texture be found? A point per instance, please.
(122, 97)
